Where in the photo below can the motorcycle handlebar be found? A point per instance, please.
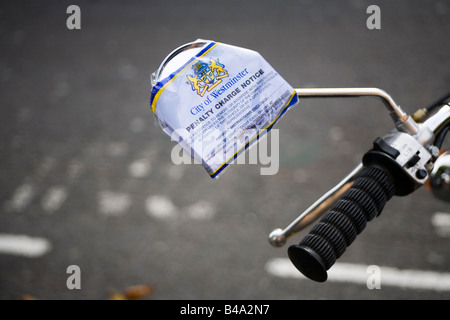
(398, 164)
(337, 229)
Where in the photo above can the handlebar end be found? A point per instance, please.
(308, 262)
(277, 238)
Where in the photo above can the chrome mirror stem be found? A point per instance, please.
(403, 122)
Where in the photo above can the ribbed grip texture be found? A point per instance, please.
(339, 227)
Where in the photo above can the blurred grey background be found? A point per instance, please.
(85, 170)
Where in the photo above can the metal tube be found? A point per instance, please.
(439, 120)
(278, 237)
(402, 121)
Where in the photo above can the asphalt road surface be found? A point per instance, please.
(87, 180)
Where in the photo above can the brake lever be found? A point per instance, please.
(278, 237)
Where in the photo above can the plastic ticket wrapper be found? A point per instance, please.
(216, 100)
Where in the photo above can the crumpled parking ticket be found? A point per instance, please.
(216, 100)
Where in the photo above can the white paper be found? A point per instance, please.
(219, 101)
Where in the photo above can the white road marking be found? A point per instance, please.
(113, 203)
(54, 198)
(175, 172)
(21, 198)
(74, 169)
(161, 207)
(441, 223)
(140, 168)
(45, 166)
(356, 273)
(117, 149)
(22, 245)
(201, 210)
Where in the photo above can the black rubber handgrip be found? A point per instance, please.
(337, 229)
